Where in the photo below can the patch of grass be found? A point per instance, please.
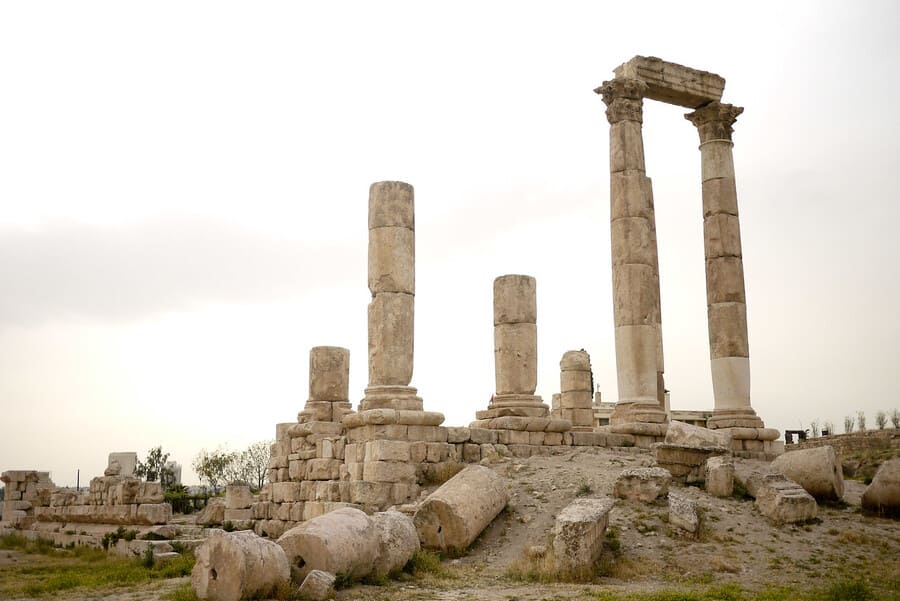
(584, 489)
(425, 563)
(183, 593)
(849, 590)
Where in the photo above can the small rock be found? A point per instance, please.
(317, 585)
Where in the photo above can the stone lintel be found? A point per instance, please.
(673, 83)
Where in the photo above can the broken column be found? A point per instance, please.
(575, 384)
(636, 302)
(520, 416)
(392, 282)
(238, 565)
(726, 302)
(329, 385)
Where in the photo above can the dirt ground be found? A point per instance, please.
(736, 543)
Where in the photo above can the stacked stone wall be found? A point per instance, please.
(888, 438)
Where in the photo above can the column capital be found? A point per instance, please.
(714, 121)
(624, 98)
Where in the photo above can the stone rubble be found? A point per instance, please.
(578, 533)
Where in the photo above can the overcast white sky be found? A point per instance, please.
(183, 192)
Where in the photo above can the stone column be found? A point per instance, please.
(329, 385)
(636, 304)
(392, 284)
(575, 383)
(726, 303)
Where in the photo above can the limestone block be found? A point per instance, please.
(683, 513)
(817, 470)
(728, 330)
(673, 83)
(392, 260)
(154, 513)
(515, 358)
(454, 515)
(722, 235)
(482, 436)
(883, 494)
(631, 195)
(575, 361)
(127, 462)
(575, 381)
(427, 433)
(784, 501)
(681, 433)
(457, 434)
(515, 299)
(388, 471)
(716, 160)
(286, 492)
(720, 196)
(387, 450)
(719, 476)
(150, 492)
(344, 541)
(725, 280)
(636, 296)
(633, 241)
(376, 494)
(236, 565)
(576, 399)
(317, 586)
(398, 541)
(329, 375)
(391, 339)
(626, 148)
(213, 513)
(238, 496)
(642, 484)
(578, 533)
(391, 204)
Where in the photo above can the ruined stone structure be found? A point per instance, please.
(576, 395)
(639, 351)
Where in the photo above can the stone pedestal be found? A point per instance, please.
(636, 302)
(726, 301)
(329, 385)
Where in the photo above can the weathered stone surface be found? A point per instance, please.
(883, 494)
(681, 433)
(642, 484)
(236, 565)
(391, 204)
(329, 374)
(212, 514)
(728, 330)
(153, 513)
(391, 339)
(784, 501)
(683, 513)
(238, 496)
(672, 83)
(392, 260)
(725, 280)
(578, 533)
(817, 470)
(317, 586)
(455, 514)
(398, 541)
(515, 299)
(515, 358)
(720, 476)
(343, 541)
(127, 462)
(150, 492)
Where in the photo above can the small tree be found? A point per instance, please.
(814, 428)
(861, 420)
(848, 424)
(827, 427)
(895, 418)
(255, 461)
(881, 420)
(214, 467)
(155, 468)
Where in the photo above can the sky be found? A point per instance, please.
(184, 189)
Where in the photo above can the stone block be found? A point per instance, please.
(553, 439)
(725, 280)
(882, 496)
(633, 241)
(457, 434)
(515, 299)
(784, 501)
(642, 484)
(482, 436)
(317, 586)
(672, 83)
(153, 513)
(392, 260)
(388, 471)
(515, 358)
(427, 433)
(391, 204)
(240, 515)
(238, 497)
(722, 236)
(536, 438)
(636, 296)
(471, 453)
(631, 195)
(683, 513)
(329, 375)
(387, 450)
(728, 330)
(719, 476)
(719, 196)
(391, 339)
(818, 470)
(716, 160)
(578, 533)
(286, 492)
(688, 435)
(626, 153)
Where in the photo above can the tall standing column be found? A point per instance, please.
(726, 302)
(636, 304)
(515, 343)
(392, 273)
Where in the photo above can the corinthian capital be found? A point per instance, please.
(714, 121)
(624, 99)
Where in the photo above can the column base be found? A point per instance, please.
(755, 443)
(514, 405)
(627, 412)
(734, 418)
(391, 397)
